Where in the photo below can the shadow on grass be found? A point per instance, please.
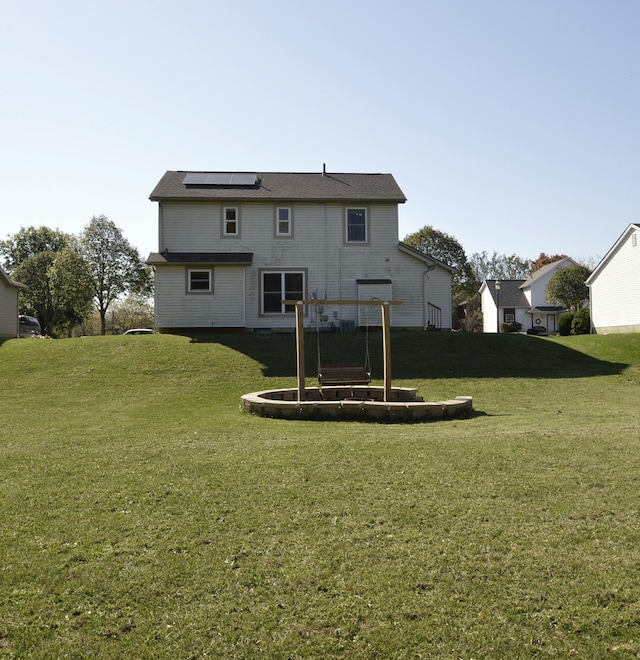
(421, 354)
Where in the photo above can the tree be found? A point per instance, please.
(116, 267)
(70, 281)
(136, 311)
(48, 262)
(446, 248)
(567, 287)
(499, 266)
(545, 259)
(29, 242)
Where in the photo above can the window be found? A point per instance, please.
(279, 286)
(356, 225)
(199, 281)
(283, 221)
(231, 221)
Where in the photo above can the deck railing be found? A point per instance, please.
(434, 317)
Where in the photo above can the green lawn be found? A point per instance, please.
(142, 515)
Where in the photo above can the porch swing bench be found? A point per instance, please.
(344, 375)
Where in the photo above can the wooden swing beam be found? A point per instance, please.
(386, 336)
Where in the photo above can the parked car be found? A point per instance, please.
(537, 330)
(28, 326)
(140, 331)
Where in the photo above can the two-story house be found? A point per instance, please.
(233, 246)
(522, 301)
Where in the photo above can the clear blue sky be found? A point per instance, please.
(512, 125)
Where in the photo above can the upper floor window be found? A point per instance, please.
(231, 221)
(356, 229)
(283, 221)
(199, 281)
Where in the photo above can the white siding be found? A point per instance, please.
(190, 227)
(175, 308)
(317, 247)
(489, 310)
(615, 292)
(8, 309)
(372, 315)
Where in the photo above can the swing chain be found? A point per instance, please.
(367, 357)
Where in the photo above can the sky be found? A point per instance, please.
(511, 125)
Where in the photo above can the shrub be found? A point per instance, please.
(510, 327)
(581, 323)
(564, 323)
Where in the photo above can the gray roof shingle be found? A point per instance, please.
(183, 258)
(288, 186)
(510, 293)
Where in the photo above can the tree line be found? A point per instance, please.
(70, 277)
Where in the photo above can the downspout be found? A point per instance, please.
(326, 251)
(425, 277)
(425, 303)
(160, 228)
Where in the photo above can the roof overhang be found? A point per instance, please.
(200, 259)
(7, 280)
(634, 227)
(430, 261)
(546, 309)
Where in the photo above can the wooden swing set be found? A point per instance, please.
(343, 374)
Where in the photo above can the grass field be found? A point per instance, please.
(144, 516)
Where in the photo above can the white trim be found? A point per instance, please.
(209, 272)
(346, 225)
(284, 294)
(289, 221)
(226, 220)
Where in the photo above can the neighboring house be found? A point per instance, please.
(9, 305)
(614, 286)
(233, 246)
(522, 301)
(504, 305)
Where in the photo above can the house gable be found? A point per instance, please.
(614, 286)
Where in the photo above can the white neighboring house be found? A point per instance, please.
(503, 304)
(232, 246)
(9, 290)
(614, 286)
(522, 301)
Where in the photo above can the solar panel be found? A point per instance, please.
(220, 178)
(195, 177)
(243, 179)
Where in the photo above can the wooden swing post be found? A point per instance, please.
(386, 343)
(302, 388)
(386, 337)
